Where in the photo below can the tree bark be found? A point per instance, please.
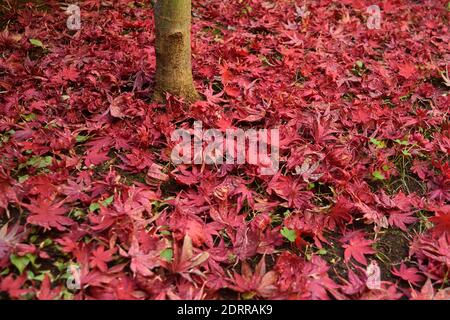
(173, 50)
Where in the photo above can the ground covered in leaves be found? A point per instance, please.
(87, 185)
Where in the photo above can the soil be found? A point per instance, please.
(392, 249)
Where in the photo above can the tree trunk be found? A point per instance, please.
(173, 50)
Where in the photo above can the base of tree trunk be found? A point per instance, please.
(188, 93)
(173, 50)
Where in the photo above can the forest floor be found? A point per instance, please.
(92, 207)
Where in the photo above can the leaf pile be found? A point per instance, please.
(86, 178)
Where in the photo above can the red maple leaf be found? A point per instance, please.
(340, 213)
(289, 188)
(420, 168)
(357, 248)
(70, 73)
(184, 261)
(322, 131)
(48, 215)
(400, 220)
(195, 230)
(46, 292)
(260, 282)
(439, 188)
(302, 279)
(186, 176)
(96, 156)
(76, 191)
(7, 193)
(212, 98)
(437, 250)
(101, 146)
(354, 284)
(408, 274)
(156, 172)
(14, 286)
(441, 221)
(66, 74)
(143, 261)
(9, 237)
(139, 159)
(100, 258)
(406, 70)
(428, 293)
